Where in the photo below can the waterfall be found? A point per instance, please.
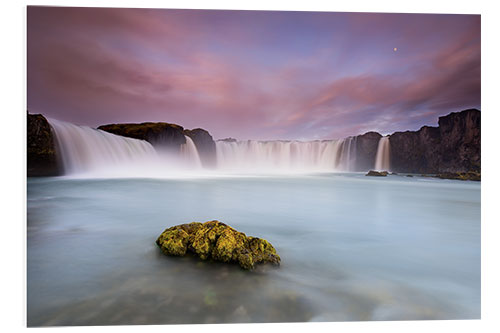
(348, 154)
(312, 156)
(190, 154)
(87, 151)
(382, 160)
(84, 149)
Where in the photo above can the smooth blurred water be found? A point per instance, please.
(352, 248)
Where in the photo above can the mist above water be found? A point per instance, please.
(95, 153)
(352, 248)
(89, 152)
(311, 156)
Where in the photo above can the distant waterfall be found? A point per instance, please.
(190, 153)
(348, 154)
(382, 160)
(84, 149)
(87, 151)
(331, 155)
(90, 152)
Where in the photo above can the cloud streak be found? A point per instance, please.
(261, 75)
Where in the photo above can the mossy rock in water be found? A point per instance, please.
(374, 173)
(217, 241)
(471, 175)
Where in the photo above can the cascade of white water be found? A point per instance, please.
(190, 154)
(331, 155)
(382, 160)
(84, 149)
(347, 160)
(87, 151)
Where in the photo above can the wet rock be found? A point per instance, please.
(205, 145)
(471, 175)
(453, 146)
(374, 173)
(161, 135)
(168, 136)
(366, 150)
(228, 140)
(217, 241)
(41, 150)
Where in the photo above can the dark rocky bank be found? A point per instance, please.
(169, 137)
(453, 146)
(219, 242)
(205, 145)
(366, 150)
(471, 175)
(161, 135)
(41, 151)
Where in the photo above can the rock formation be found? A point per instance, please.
(454, 146)
(217, 241)
(374, 173)
(366, 150)
(471, 175)
(228, 140)
(161, 135)
(41, 150)
(169, 137)
(205, 145)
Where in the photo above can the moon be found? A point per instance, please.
(395, 49)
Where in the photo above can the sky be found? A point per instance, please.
(252, 74)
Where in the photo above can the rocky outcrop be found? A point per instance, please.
(460, 141)
(366, 150)
(471, 175)
(41, 150)
(168, 137)
(217, 241)
(374, 173)
(161, 135)
(415, 152)
(454, 146)
(228, 140)
(205, 145)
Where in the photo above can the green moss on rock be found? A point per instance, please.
(374, 173)
(471, 175)
(217, 241)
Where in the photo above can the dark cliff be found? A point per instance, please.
(461, 141)
(416, 151)
(169, 137)
(366, 150)
(161, 135)
(41, 151)
(205, 145)
(453, 146)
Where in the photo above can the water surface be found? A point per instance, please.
(352, 248)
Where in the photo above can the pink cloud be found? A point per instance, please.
(95, 66)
